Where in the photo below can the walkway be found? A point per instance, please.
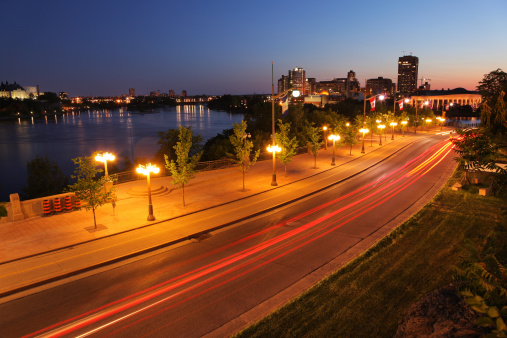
(40, 250)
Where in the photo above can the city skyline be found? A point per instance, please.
(103, 49)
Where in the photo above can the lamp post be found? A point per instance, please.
(274, 149)
(146, 171)
(325, 139)
(104, 158)
(295, 93)
(403, 124)
(441, 120)
(381, 127)
(364, 131)
(428, 121)
(334, 138)
(393, 124)
(381, 97)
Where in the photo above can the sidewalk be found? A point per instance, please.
(39, 250)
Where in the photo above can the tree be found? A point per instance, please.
(477, 151)
(168, 140)
(349, 137)
(491, 85)
(183, 170)
(45, 178)
(88, 188)
(287, 144)
(242, 149)
(314, 144)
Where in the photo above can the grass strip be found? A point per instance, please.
(368, 297)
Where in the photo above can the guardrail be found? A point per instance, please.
(128, 176)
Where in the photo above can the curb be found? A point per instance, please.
(190, 236)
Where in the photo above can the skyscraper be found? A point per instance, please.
(132, 92)
(408, 66)
(296, 79)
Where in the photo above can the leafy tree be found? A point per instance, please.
(349, 137)
(183, 170)
(218, 147)
(242, 149)
(168, 140)
(91, 190)
(45, 178)
(478, 151)
(491, 85)
(314, 143)
(287, 144)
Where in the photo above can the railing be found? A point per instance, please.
(128, 176)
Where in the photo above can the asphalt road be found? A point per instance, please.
(197, 288)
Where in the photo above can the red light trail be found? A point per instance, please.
(234, 266)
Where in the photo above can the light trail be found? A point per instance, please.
(367, 192)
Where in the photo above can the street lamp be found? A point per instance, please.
(295, 93)
(403, 124)
(381, 97)
(325, 139)
(245, 136)
(104, 158)
(381, 127)
(441, 120)
(364, 131)
(146, 171)
(334, 138)
(274, 149)
(428, 121)
(393, 124)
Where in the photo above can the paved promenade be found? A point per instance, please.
(40, 250)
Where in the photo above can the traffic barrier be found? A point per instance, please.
(57, 205)
(67, 204)
(46, 208)
(77, 203)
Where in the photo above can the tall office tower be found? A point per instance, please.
(408, 66)
(184, 93)
(132, 92)
(297, 78)
(171, 93)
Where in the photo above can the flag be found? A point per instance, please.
(372, 102)
(431, 104)
(284, 101)
(446, 107)
(400, 102)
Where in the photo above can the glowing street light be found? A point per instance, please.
(104, 158)
(381, 127)
(428, 121)
(150, 168)
(295, 93)
(364, 131)
(441, 120)
(325, 139)
(334, 138)
(393, 124)
(380, 96)
(403, 124)
(274, 149)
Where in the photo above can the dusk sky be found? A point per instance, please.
(103, 48)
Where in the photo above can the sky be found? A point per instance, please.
(103, 48)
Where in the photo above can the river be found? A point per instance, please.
(121, 132)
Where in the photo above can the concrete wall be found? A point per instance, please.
(18, 210)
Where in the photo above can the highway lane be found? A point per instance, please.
(194, 289)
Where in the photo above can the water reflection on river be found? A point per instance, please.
(119, 131)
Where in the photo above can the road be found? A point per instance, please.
(203, 286)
